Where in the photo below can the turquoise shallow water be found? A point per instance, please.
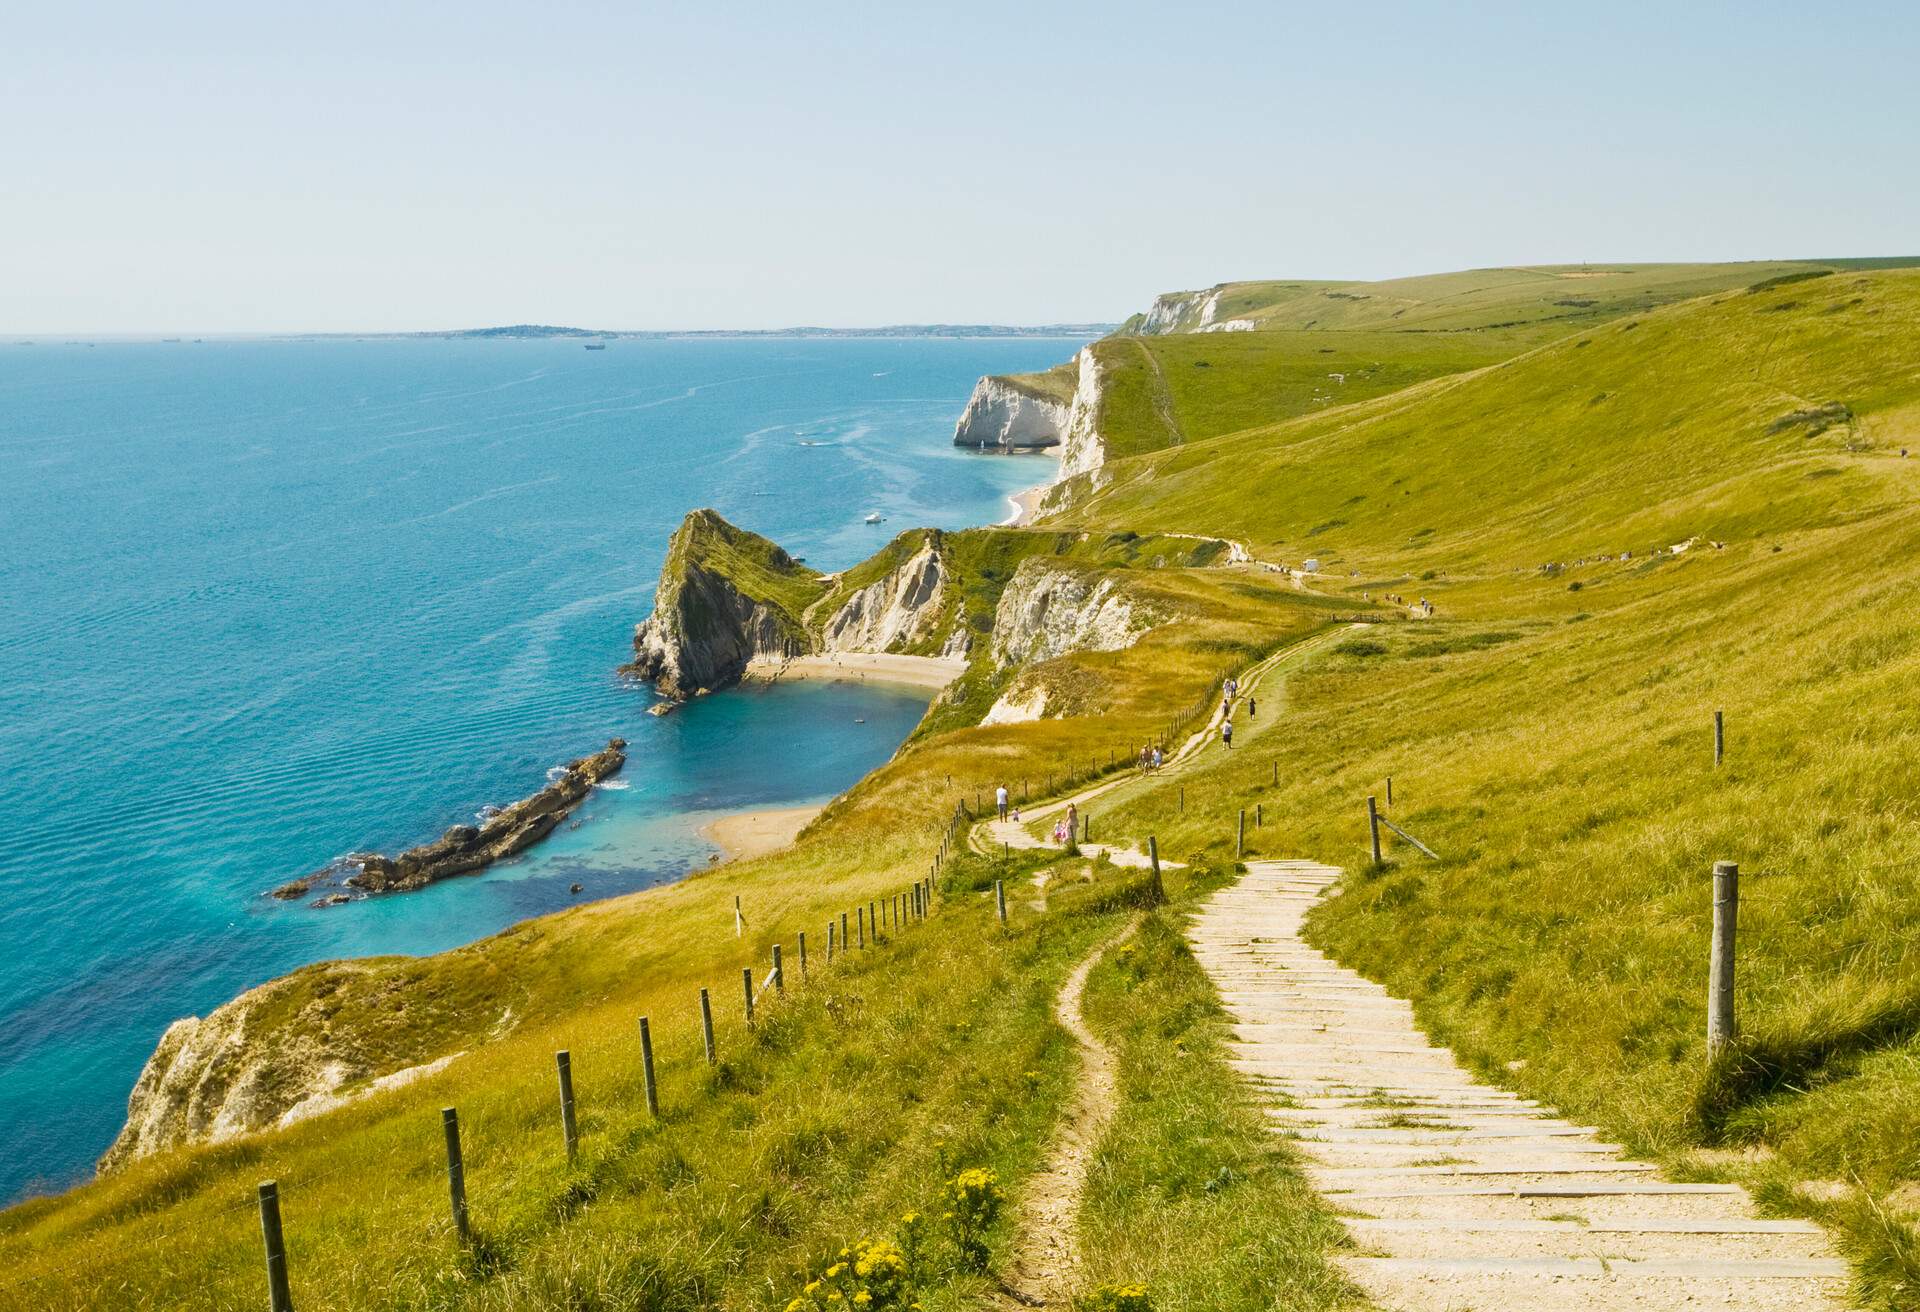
(269, 602)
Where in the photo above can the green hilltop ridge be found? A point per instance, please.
(1690, 493)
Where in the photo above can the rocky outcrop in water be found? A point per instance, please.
(1003, 416)
(723, 600)
(466, 848)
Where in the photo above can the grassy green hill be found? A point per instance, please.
(1319, 346)
(1547, 733)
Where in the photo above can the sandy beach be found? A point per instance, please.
(934, 672)
(755, 833)
(1026, 503)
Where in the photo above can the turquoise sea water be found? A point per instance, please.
(266, 603)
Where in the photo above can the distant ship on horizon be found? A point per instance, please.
(596, 346)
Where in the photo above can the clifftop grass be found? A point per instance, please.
(1547, 733)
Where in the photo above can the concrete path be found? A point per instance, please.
(1460, 1195)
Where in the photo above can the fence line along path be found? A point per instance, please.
(1458, 1194)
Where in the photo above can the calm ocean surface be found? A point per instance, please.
(269, 602)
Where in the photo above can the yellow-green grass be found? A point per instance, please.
(857, 1093)
(1550, 743)
(1568, 295)
(1712, 417)
(1162, 391)
(579, 979)
(1550, 733)
(1056, 384)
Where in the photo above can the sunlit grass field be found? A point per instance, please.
(1548, 733)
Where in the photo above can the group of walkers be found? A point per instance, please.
(1066, 828)
(1228, 693)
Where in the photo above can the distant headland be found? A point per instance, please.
(890, 330)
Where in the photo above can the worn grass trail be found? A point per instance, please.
(1045, 1267)
(1460, 1194)
(1264, 678)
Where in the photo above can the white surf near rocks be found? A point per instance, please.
(1461, 1195)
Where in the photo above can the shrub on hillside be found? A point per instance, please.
(974, 1200)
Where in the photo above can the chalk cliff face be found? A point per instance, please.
(1002, 416)
(721, 603)
(1048, 610)
(1082, 451)
(231, 1073)
(1181, 312)
(728, 598)
(896, 610)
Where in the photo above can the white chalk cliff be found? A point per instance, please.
(1008, 418)
(1081, 449)
(1048, 610)
(896, 610)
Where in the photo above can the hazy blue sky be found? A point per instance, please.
(231, 167)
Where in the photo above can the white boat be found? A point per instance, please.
(876, 518)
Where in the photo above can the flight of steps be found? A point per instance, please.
(1459, 1195)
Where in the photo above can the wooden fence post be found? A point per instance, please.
(1000, 899)
(456, 1172)
(860, 918)
(1389, 790)
(873, 922)
(779, 975)
(830, 928)
(803, 954)
(746, 985)
(1240, 836)
(706, 1026)
(277, 1288)
(739, 921)
(845, 942)
(563, 1062)
(1719, 737)
(1153, 856)
(1726, 913)
(1276, 775)
(1183, 799)
(1373, 828)
(646, 1069)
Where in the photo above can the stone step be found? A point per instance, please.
(1346, 1179)
(1736, 1225)
(1625, 1268)
(1531, 1189)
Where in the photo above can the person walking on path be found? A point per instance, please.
(1226, 733)
(1251, 705)
(1000, 800)
(1073, 824)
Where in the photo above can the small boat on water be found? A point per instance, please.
(876, 518)
(596, 346)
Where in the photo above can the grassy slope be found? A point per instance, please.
(1378, 337)
(362, 1189)
(1056, 384)
(1547, 741)
(1549, 734)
